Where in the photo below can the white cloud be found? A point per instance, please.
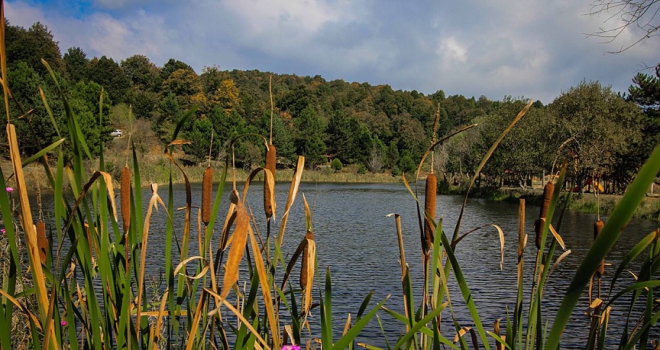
(452, 52)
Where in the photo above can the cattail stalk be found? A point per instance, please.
(125, 198)
(598, 227)
(429, 209)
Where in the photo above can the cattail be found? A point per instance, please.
(42, 241)
(207, 191)
(598, 227)
(429, 209)
(306, 261)
(271, 161)
(125, 197)
(548, 190)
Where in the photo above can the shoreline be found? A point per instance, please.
(159, 174)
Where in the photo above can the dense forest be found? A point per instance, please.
(376, 128)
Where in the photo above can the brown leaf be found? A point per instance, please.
(237, 248)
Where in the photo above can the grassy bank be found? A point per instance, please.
(158, 172)
(582, 202)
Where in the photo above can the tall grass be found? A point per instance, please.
(90, 290)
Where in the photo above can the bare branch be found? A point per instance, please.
(639, 17)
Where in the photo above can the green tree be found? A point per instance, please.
(297, 100)
(282, 138)
(172, 66)
(645, 92)
(406, 163)
(605, 127)
(527, 150)
(392, 155)
(169, 114)
(142, 73)
(107, 73)
(32, 45)
(200, 136)
(348, 139)
(309, 141)
(186, 86)
(76, 65)
(85, 105)
(36, 129)
(410, 135)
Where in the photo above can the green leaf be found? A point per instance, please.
(343, 342)
(465, 291)
(42, 152)
(422, 324)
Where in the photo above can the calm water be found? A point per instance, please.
(358, 243)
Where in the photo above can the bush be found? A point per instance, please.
(362, 169)
(396, 171)
(336, 164)
(406, 164)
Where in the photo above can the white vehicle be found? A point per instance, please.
(116, 133)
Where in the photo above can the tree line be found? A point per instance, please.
(597, 130)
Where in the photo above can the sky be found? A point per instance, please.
(534, 49)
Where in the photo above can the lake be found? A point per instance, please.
(358, 243)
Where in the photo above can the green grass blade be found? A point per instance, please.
(636, 337)
(45, 150)
(326, 313)
(465, 291)
(603, 244)
(422, 324)
(348, 338)
(634, 252)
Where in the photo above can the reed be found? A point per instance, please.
(125, 197)
(431, 189)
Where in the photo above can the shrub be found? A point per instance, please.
(336, 164)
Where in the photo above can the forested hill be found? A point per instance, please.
(375, 127)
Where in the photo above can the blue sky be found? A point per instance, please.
(534, 49)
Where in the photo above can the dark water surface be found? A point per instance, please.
(358, 243)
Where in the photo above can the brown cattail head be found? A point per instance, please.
(271, 161)
(306, 257)
(429, 209)
(598, 227)
(42, 241)
(538, 229)
(548, 190)
(207, 193)
(125, 197)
